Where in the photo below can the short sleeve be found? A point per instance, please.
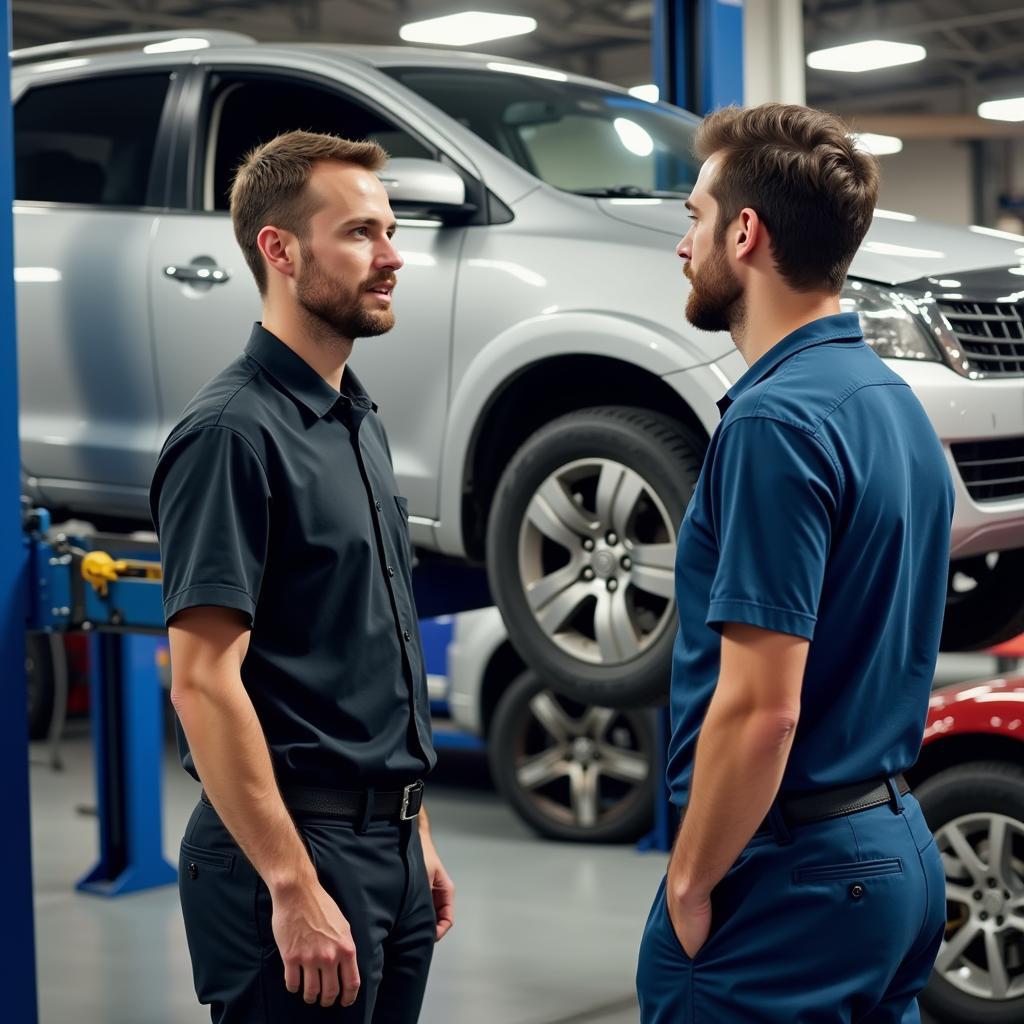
(211, 505)
(774, 495)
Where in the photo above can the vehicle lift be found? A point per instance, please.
(110, 585)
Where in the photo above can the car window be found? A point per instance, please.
(245, 111)
(580, 138)
(88, 141)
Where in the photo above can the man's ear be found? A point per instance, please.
(748, 234)
(277, 248)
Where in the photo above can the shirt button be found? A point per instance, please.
(391, 572)
(856, 890)
(378, 506)
(407, 636)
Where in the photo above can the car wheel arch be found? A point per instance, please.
(948, 752)
(541, 392)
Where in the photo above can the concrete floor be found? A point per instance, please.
(546, 933)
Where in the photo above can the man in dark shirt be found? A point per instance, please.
(804, 884)
(297, 671)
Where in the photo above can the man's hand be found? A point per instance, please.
(316, 945)
(690, 915)
(442, 890)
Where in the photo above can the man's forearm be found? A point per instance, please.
(231, 757)
(741, 756)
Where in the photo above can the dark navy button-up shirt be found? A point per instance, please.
(823, 510)
(274, 495)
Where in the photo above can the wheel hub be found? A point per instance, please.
(584, 750)
(994, 902)
(604, 564)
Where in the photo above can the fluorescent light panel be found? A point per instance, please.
(869, 55)
(878, 145)
(466, 28)
(1003, 110)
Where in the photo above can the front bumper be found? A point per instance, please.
(963, 410)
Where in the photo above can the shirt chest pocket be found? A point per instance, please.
(395, 522)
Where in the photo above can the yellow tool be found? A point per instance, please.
(100, 570)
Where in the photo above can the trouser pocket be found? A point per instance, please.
(218, 890)
(848, 870)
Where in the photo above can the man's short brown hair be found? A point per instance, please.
(270, 186)
(801, 171)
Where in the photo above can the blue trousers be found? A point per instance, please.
(840, 925)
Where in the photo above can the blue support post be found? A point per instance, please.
(127, 723)
(18, 964)
(697, 58)
(697, 52)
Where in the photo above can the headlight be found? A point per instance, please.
(891, 321)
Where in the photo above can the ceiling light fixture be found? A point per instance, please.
(466, 28)
(878, 145)
(869, 55)
(1003, 110)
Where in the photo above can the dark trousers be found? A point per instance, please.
(377, 879)
(841, 925)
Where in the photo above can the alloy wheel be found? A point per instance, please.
(982, 952)
(580, 765)
(596, 558)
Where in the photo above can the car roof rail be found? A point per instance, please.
(132, 41)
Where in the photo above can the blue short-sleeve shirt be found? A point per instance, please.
(823, 510)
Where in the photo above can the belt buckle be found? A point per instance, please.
(414, 789)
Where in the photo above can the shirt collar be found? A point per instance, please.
(299, 379)
(837, 327)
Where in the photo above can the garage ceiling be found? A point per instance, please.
(975, 49)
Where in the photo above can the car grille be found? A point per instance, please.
(992, 470)
(990, 336)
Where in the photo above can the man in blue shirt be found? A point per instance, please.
(811, 578)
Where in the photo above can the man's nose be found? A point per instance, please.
(389, 256)
(683, 249)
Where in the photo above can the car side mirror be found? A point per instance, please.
(425, 188)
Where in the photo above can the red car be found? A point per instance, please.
(970, 782)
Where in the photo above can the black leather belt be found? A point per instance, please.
(833, 803)
(394, 805)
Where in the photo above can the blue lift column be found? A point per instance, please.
(697, 59)
(698, 53)
(18, 964)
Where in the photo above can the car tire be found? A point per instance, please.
(41, 683)
(573, 772)
(970, 799)
(581, 551)
(984, 602)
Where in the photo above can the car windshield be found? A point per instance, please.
(579, 138)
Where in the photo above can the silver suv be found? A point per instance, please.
(547, 402)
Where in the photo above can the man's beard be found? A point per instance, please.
(337, 310)
(716, 301)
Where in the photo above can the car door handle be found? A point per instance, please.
(197, 274)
